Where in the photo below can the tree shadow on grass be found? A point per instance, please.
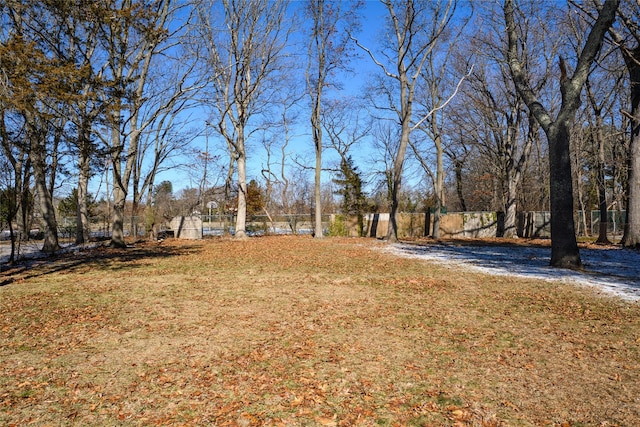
(101, 258)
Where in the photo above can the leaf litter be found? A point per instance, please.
(294, 331)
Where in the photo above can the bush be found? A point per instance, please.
(338, 227)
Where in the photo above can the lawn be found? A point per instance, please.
(292, 331)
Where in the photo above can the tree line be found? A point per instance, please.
(466, 105)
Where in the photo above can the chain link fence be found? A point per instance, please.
(212, 225)
(530, 224)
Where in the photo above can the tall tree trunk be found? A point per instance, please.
(439, 184)
(121, 178)
(53, 156)
(316, 127)
(45, 199)
(84, 172)
(515, 166)
(82, 218)
(25, 199)
(631, 238)
(598, 136)
(396, 178)
(318, 233)
(119, 189)
(564, 245)
(581, 202)
(316, 87)
(117, 226)
(241, 218)
(510, 212)
(602, 187)
(458, 172)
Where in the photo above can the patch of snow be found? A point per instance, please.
(31, 250)
(614, 271)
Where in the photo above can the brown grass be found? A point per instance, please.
(295, 331)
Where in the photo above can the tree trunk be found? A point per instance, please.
(316, 90)
(117, 227)
(515, 166)
(84, 169)
(458, 171)
(45, 199)
(392, 231)
(396, 180)
(439, 184)
(602, 187)
(632, 227)
(316, 128)
(12, 237)
(241, 219)
(122, 177)
(21, 164)
(25, 198)
(578, 147)
(318, 233)
(631, 238)
(581, 204)
(564, 245)
(135, 210)
(119, 188)
(600, 170)
(509, 231)
(82, 218)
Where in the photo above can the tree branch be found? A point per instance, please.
(440, 107)
(519, 78)
(373, 58)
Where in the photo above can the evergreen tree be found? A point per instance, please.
(255, 198)
(68, 207)
(163, 202)
(349, 182)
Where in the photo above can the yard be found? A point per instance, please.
(292, 331)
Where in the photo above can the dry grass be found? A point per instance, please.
(294, 331)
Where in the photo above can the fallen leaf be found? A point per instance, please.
(325, 421)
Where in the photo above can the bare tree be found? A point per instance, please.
(564, 247)
(328, 52)
(131, 40)
(9, 200)
(80, 26)
(437, 80)
(495, 116)
(386, 137)
(15, 154)
(601, 100)
(277, 136)
(345, 129)
(414, 28)
(243, 55)
(603, 90)
(171, 89)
